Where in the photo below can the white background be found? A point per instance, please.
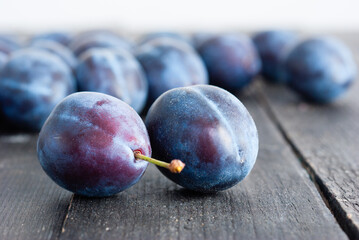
(29, 16)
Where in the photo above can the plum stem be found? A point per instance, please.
(175, 166)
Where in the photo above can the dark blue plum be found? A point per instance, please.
(273, 47)
(62, 38)
(210, 130)
(8, 44)
(58, 49)
(86, 145)
(114, 72)
(99, 39)
(172, 35)
(32, 82)
(231, 60)
(320, 69)
(169, 64)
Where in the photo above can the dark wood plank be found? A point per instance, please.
(277, 201)
(326, 138)
(31, 205)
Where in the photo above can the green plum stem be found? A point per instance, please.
(175, 166)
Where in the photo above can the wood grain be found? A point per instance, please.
(31, 205)
(326, 138)
(277, 201)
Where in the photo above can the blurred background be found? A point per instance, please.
(143, 16)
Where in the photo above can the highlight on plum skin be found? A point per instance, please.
(86, 145)
(210, 130)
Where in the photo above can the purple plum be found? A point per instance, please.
(32, 82)
(273, 47)
(114, 72)
(320, 69)
(60, 50)
(169, 64)
(231, 60)
(210, 130)
(87, 145)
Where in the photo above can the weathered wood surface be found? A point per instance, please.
(326, 138)
(31, 206)
(277, 201)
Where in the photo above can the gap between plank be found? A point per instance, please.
(330, 201)
(62, 230)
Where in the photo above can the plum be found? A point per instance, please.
(32, 82)
(273, 46)
(62, 38)
(169, 64)
(114, 72)
(320, 69)
(231, 60)
(87, 145)
(210, 130)
(98, 39)
(8, 44)
(58, 49)
(151, 36)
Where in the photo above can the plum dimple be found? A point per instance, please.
(219, 145)
(87, 143)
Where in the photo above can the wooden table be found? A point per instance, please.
(305, 184)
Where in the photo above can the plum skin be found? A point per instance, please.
(169, 64)
(320, 69)
(210, 130)
(155, 35)
(58, 49)
(98, 39)
(86, 145)
(232, 60)
(32, 82)
(114, 72)
(273, 47)
(62, 38)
